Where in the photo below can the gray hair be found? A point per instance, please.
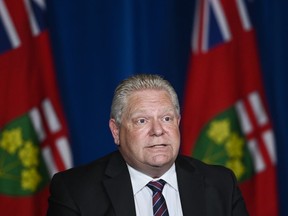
(136, 83)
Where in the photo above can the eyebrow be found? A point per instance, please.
(145, 112)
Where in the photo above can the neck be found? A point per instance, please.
(154, 172)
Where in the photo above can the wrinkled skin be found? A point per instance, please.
(148, 136)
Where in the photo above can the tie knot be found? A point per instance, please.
(156, 186)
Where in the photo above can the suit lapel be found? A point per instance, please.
(119, 188)
(191, 188)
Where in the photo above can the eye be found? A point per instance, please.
(141, 121)
(167, 118)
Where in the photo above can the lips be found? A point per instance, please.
(158, 145)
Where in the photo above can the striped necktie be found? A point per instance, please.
(159, 203)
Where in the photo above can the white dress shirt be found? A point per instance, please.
(143, 194)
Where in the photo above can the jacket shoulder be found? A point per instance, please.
(81, 189)
(215, 174)
(94, 170)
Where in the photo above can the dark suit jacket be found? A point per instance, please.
(103, 187)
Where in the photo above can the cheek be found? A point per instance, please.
(173, 130)
(135, 139)
(131, 137)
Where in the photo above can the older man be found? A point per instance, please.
(146, 176)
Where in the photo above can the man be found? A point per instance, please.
(145, 117)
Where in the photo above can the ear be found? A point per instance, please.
(114, 130)
(179, 119)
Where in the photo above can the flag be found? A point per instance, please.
(33, 134)
(225, 116)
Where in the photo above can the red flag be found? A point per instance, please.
(225, 118)
(33, 132)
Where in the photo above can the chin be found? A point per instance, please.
(159, 161)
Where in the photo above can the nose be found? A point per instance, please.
(156, 128)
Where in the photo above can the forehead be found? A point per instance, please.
(148, 100)
(149, 95)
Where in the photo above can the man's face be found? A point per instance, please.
(148, 135)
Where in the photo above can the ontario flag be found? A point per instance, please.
(225, 117)
(33, 134)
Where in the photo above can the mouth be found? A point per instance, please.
(158, 146)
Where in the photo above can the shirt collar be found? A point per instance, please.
(140, 180)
